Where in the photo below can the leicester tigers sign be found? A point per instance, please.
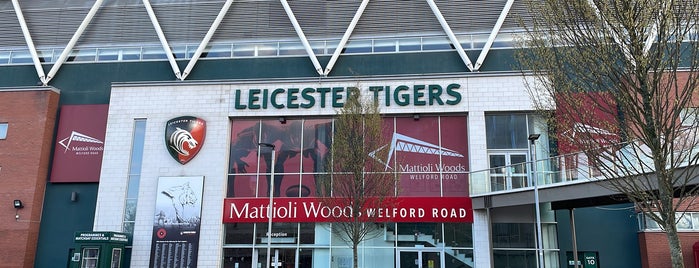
(184, 136)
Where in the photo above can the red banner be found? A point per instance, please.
(399, 209)
(79, 143)
(586, 121)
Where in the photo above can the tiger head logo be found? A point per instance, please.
(179, 139)
(184, 136)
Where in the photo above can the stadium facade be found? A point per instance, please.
(151, 125)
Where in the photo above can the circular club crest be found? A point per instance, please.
(184, 137)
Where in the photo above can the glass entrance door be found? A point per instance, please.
(508, 170)
(280, 258)
(420, 259)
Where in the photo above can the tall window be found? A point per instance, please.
(134, 178)
(508, 147)
(508, 155)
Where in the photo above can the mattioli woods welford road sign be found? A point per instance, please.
(309, 209)
(184, 137)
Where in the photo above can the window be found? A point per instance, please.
(116, 258)
(90, 257)
(244, 50)
(3, 131)
(4, 57)
(82, 55)
(686, 221)
(506, 131)
(20, 56)
(292, 48)
(409, 44)
(215, 51)
(134, 176)
(514, 235)
(646, 223)
(267, 49)
(508, 149)
(358, 46)
(153, 53)
(384, 46)
(436, 43)
(107, 54)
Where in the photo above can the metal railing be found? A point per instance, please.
(555, 170)
(631, 159)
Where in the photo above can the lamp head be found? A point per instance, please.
(18, 203)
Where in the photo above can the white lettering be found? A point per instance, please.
(370, 212)
(311, 209)
(239, 213)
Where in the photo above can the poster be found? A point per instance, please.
(301, 147)
(177, 222)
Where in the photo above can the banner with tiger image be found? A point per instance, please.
(177, 221)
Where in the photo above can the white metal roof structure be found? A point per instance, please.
(67, 26)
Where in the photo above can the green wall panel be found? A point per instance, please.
(61, 218)
(90, 83)
(609, 230)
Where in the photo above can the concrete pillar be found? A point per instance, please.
(482, 242)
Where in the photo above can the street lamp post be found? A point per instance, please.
(539, 241)
(271, 203)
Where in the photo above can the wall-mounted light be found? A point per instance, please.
(282, 120)
(416, 117)
(18, 203)
(74, 197)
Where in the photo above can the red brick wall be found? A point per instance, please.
(24, 166)
(655, 252)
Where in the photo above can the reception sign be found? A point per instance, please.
(177, 222)
(399, 209)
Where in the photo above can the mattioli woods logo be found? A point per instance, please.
(184, 137)
(403, 143)
(81, 144)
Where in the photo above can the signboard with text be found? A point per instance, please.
(177, 221)
(446, 94)
(79, 143)
(111, 237)
(399, 209)
(586, 259)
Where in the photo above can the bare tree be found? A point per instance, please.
(357, 181)
(618, 76)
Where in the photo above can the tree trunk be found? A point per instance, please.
(355, 258)
(675, 247)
